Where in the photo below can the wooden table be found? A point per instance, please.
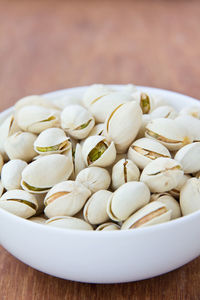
(49, 45)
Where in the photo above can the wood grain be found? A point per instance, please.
(49, 45)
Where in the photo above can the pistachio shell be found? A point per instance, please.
(39, 220)
(65, 198)
(19, 203)
(95, 208)
(127, 199)
(20, 146)
(1, 189)
(79, 163)
(11, 174)
(40, 175)
(191, 125)
(145, 150)
(98, 151)
(162, 174)
(67, 99)
(35, 119)
(189, 157)
(124, 171)
(176, 191)
(77, 121)
(168, 132)
(193, 111)
(34, 100)
(145, 120)
(147, 101)
(170, 203)
(94, 92)
(123, 124)
(151, 214)
(190, 196)
(52, 140)
(68, 223)
(165, 111)
(108, 227)
(94, 178)
(97, 129)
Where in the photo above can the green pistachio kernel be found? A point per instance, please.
(145, 103)
(33, 188)
(58, 147)
(96, 152)
(32, 205)
(83, 126)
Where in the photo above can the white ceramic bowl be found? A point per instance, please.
(104, 257)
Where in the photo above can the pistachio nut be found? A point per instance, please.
(94, 93)
(151, 214)
(168, 132)
(108, 227)
(145, 120)
(65, 199)
(67, 99)
(97, 129)
(176, 191)
(95, 208)
(191, 125)
(11, 174)
(52, 140)
(39, 220)
(77, 121)
(193, 111)
(128, 198)
(19, 203)
(34, 100)
(43, 173)
(1, 189)
(35, 118)
(94, 178)
(162, 174)
(190, 196)
(145, 150)
(20, 146)
(171, 203)
(189, 157)
(165, 111)
(79, 163)
(147, 101)
(124, 171)
(98, 151)
(68, 223)
(123, 124)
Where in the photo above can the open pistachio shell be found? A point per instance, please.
(35, 118)
(79, 163)
(151, 214)
(94, 178)
(52, 140)
(11, 174)
(193, 111)
(162, 174)
(124, 171)
(98, 151)
(108, 227)
(20, 146)
(191, 125)
(189, 157)
(164, 111)
(147, 101)
(97, 129)
(127, 199)
(19, 203)
(1, 189)
(65, 198)
(176, 191)
(144, 150)
(34, 100)
(77, 121)
(123, 124)
(1, 162)
(95, 208)
(94, 93)
(39, 220)
(171, 203)
(68, 223)
(190, 196)
(40, 175)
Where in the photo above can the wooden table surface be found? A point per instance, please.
(49, 45)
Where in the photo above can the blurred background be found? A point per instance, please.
(50, 45)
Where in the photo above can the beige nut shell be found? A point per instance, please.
(68, 223)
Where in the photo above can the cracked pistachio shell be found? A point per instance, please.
(20, 146)
(151, 214)
(98, 151)
(97, 129)
(1, 162)
(94, 178)
(145, 120)
(67, 99)
(147, 101)
(1, 189)
(176, 191)
(34, 100)
(165, 111)
(189, 157)
(35, 118)
(191, 125)
(108, 227)
(94, 92)
(123, 124)
(190, 196)
(52, 140)
(144, 150)
(65, 199)
(39, 220)
(7, 128)
(68, 223)
(95, 208)
(40, 175)
(19, 203)
(162, 174)
(124, 171)
(193, 111)
(11, 174)
(168, 132)
(171, 204)
(79, 163)
(77, 121)
(127, 199)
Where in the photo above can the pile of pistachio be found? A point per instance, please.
(104, 160)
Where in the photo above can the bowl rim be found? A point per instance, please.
(116, 233)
